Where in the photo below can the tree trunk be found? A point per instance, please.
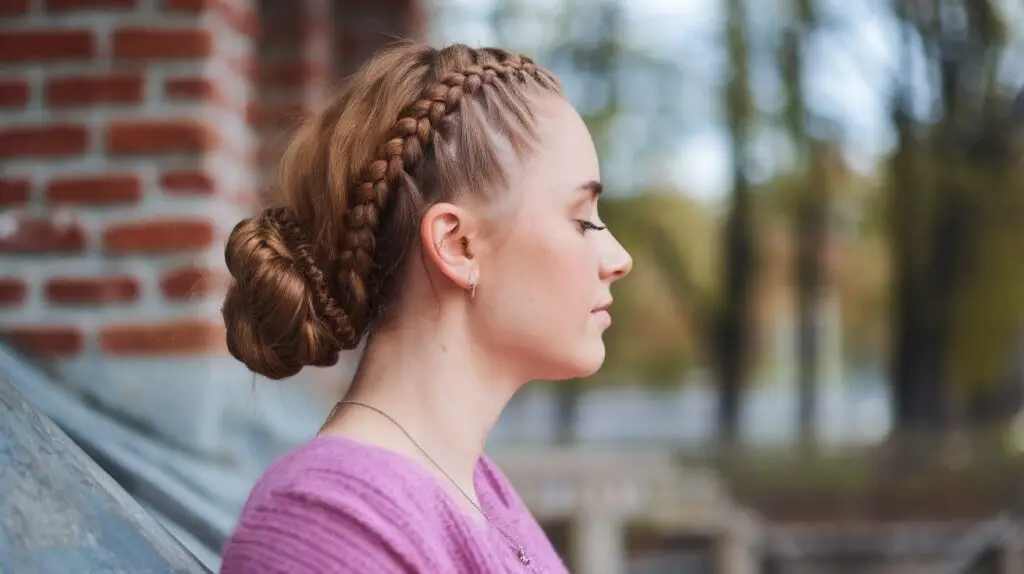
(917, 373)
(732, 331)
(811, 237)
(810, 223)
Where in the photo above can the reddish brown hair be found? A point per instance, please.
(414, 127)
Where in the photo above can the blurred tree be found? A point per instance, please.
(862, 277)
(810, 217)
(955, 215)
(731, 333)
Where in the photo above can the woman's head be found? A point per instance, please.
(453, 187)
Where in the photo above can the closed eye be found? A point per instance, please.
(586, 226)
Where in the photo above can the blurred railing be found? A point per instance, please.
(988, 549)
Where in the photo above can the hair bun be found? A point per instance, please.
(274, 314)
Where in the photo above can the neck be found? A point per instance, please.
(438, 386)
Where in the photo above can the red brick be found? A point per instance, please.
(197, 88)
(13, 291)
(159, 236)
(13, 93)
(161, 43)
(13, 8)
(91, 290)
(69, 5)
(187, 181)
(276, 116)
(193, 282)
(239, 17)
(171, 338)
(100, 189)
(40, 235)
(188, 5)
(52, 140)
(32, 46)
(160, 136)
(91, 90)
(57, 341)
(287, 74)
(14, 191)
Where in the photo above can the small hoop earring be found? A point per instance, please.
(472, 290)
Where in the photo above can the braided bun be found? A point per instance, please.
(413, 127)
(279, 315)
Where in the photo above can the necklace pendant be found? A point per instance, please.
(521, 554)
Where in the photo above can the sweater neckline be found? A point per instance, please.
(490, 500)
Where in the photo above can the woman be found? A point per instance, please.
(444, 205)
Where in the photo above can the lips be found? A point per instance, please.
(602, 313)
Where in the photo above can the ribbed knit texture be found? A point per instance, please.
(338, 505)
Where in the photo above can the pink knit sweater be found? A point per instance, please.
(338, 505)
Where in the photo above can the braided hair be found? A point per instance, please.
(415, 126)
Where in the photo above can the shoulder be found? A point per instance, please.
(331, 506)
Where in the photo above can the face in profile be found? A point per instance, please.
(546, 285)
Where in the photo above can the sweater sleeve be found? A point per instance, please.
(315, 528)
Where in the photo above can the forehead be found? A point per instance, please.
(564, 156)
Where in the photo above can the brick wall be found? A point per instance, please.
(133, 134)
(360, 28)
(293, 72)
(304, 47)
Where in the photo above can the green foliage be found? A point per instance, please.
(988, 308)
(955, 210)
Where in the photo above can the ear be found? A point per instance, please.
(447, 233)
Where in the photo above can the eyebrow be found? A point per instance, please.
(593, 186)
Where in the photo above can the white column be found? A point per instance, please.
(598, 544)
(738, 546)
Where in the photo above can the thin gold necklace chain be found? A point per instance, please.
(520, 551)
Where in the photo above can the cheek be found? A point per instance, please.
(539, 309)
(530, 272)
(557, 277)
(545, 272)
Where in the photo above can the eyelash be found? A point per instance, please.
(586, 226)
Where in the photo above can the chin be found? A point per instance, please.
(584, 362)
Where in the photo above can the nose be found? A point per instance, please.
(616, 262)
